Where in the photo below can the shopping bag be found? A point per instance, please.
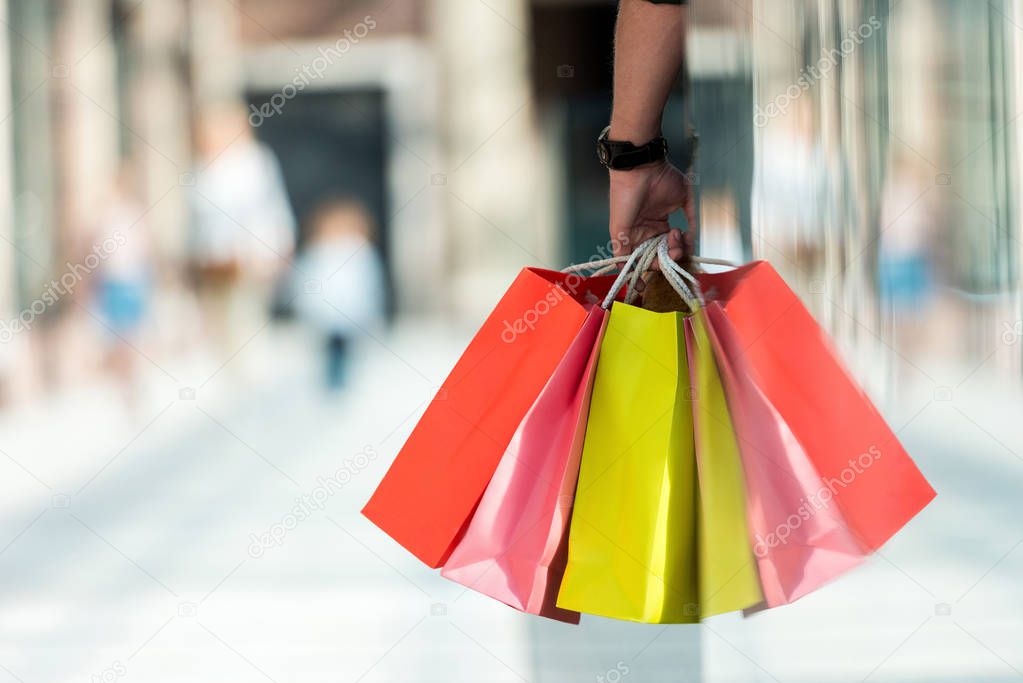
(873, 481)
(637, 541)
(800, 540)
(514, 547)
(436, 480)
(727, 569)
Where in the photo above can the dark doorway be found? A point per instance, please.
(333, 145)
(571, 71)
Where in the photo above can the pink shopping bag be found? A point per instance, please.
(431, 489)
(515, 546)
(800, 538)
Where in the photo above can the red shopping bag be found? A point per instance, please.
(875, 484)
(515, 546)
(427, 496)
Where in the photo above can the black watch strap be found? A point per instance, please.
(622, 155)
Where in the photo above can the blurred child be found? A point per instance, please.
(124, 281)
(339, 282)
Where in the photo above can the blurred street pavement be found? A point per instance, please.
(126, 547)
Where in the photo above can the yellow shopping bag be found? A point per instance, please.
(654, 538)
(728, 574)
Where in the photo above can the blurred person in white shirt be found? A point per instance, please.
(243, 228)
(339, 282)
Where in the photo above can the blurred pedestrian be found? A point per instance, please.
(791, 188)
(124, 279)
(907, 220)
(339, 282)
(243, 228)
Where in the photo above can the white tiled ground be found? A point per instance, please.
(143, 572)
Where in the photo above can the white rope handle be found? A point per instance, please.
(679, 271)
(672, 273)
(638, 262)
(714, 261)
(637, 273)
(609, 268)
(630, 263)
(602, 266)
(597, 265)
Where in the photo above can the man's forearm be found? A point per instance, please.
(649, 51)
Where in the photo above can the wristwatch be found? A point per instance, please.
(621, 155)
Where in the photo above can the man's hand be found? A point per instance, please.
(649, 51)
(641, 199)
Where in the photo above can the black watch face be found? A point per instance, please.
(603, 154)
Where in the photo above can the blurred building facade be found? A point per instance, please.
(467, 130)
